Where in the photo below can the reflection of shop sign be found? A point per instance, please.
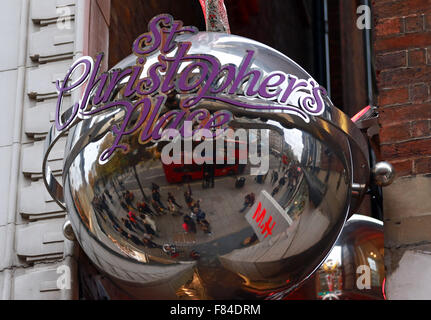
(267, 217)
(195, 77)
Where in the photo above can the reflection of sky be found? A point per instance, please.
(90, 152)
(335, 254)
(360, 217)
(87, 157)
(293, 137)
(372, 264)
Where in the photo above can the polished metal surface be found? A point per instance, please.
(123, 220)
(355, 268)
(383, 173)
(68, 231)
(215, 14)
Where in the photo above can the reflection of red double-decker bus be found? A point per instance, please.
(181, 172)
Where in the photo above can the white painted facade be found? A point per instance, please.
(35, 52)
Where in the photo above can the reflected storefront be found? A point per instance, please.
(354, 270)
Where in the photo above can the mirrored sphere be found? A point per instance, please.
(355, 268)
(215, 231)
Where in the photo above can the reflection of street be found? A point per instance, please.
(141, 214)
(305, 195)
(229, 228)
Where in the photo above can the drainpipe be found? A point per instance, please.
(368, 61)
(327, 64)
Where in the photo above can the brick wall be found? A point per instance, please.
(402, 53)
(402, 48)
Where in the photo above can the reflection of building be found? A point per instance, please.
(275, 141)
(313, 151)
(355, 260)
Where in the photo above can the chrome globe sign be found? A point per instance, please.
(196, 77)
(204, 165)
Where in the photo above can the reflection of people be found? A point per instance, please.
(212, 174)
(144, 208)
(248, 201)
(172, 209)
(155, 186)
(195, 204)
(135, 224)
(121, 184)
(150, 244)
(186, 227)
(199, 215)
(109, 196)
(206, 179)
(274, 177)
(156, 207)
(149, 229)
(205, 226)
(188, 196)
(124, 206)
(171, 250)
(249, 240)
(135, 240)
(195, 255)
(129, 196)
(189, 225)
(275, 191)
(127, 224)
(156, 198)
(123, 233)
(282, 181)
(146, 219)
(259, 178)
(208, 173)
(174, 201)
(132, 217)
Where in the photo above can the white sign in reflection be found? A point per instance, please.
(267, 217)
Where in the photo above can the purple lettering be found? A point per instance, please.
(202, 77)
(228, 72)
(175, 30)
(150, 41)
(149, 124)
(121, 131)
(173, 118)
(132, 83)
(265, 85)
(150, 84)
(252, 77)
(313, 104)
(218, 120)
(116, 78)
(292, 88)
(92, 82)
(87, 62)
(173, 64)
(184, 84)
